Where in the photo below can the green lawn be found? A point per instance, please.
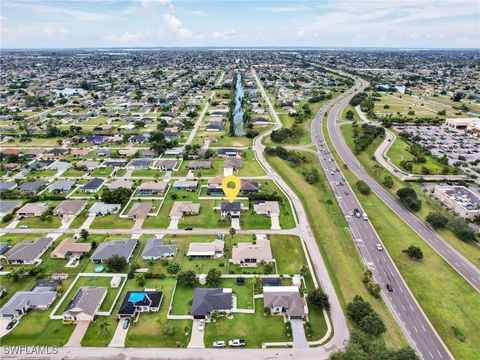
(335, 242)
(148, 173)
(102, 171)
(111, 222)
(36, 222)
(148, 331)
(253, 328)
(91, 281)
(428, 278)
(73, 173)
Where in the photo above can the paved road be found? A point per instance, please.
(461, 264)
(339, 322)
(401, 302)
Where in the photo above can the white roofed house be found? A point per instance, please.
(101, 209)
(69, 208)
(212, 250)
(32, 209)
(252, 254)
(184, 208)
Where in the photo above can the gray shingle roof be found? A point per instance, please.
(156, 248)
(122, 248)
(28, 250)
(87, 300)
(206, 300)
(39, 297)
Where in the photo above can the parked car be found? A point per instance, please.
(11, 324)
(379, 247)
(188, 228)
(236, 343)
(201, 325)
(219, 344)
(389, 287)
(125, 323)
(23, 227)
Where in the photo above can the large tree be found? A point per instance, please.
(116, 263)
(187, 278)
(213, 277)
(319, 299)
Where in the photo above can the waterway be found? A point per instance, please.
(238, 111)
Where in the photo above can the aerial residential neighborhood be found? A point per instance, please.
(282, 180)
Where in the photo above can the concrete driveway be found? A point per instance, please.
(174, 223)
(298, 334)
(3, 326)
(78, 333)
(196, 340)
(275, 222)
(118, 339)
(236, 223)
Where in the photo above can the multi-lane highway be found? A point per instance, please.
(461, 264)
(401, 302)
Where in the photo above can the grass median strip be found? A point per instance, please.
(434, 283)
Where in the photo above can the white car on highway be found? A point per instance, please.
(379, 247)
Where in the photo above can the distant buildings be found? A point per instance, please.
(460, 199)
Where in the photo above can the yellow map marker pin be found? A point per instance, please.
(231, 193)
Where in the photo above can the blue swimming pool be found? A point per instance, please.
(135, 297)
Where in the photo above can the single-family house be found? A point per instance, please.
(40, 298)
(69, 208)
(101, 209)
(120, 183)
(228, 153)
(166, 164)
(230, 210)
(140, 163)
(207, 300)
(212, 250)
(62, 186)
(268, 208)
(235, 164)
(32, 186)
(90, 165)
(32, 209)
(183, 208)
(105, 250)
(199, 164)
(189, 185)
(153, 188)
(285, 300)
(69, 248)
(252, 254)
(249, 187)
(85, 304)
(93, 185)
(214, 185)
(7, 206)
(136, 302)
(7, 185)
(28, 252)
(139, 210)
(155, 249)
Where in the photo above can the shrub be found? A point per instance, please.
(363, 187)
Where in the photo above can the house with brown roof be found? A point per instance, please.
(268, 208)
(90, 165)
(285, 300)
(139, 210)
(69, 208)
(32, 210)
(120, 183)
(214, 186)
(79, 152)
(252, 254)
(199, 164)
(153, 188)
(69, 248)
(182, 208)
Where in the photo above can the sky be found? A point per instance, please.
(231, 23)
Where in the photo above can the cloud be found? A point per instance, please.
(127, 37)
(184, 33)
(171, 22)
(3, 18)
(300, 33)
(224, 35)
(284, 9)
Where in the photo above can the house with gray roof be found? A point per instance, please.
(85, 304)
(93, 185)
(32, 186)
(140, 163)
(122, 248)
(62, 186)
(7, 185)
(207, 300)
(28, 252)
(101, 209)
(166, 164)
(39, 298)
(155, 249)
(7, 206)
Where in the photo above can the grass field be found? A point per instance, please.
(111, 222)
(427, 279)
(429, 204)
(335, 242)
